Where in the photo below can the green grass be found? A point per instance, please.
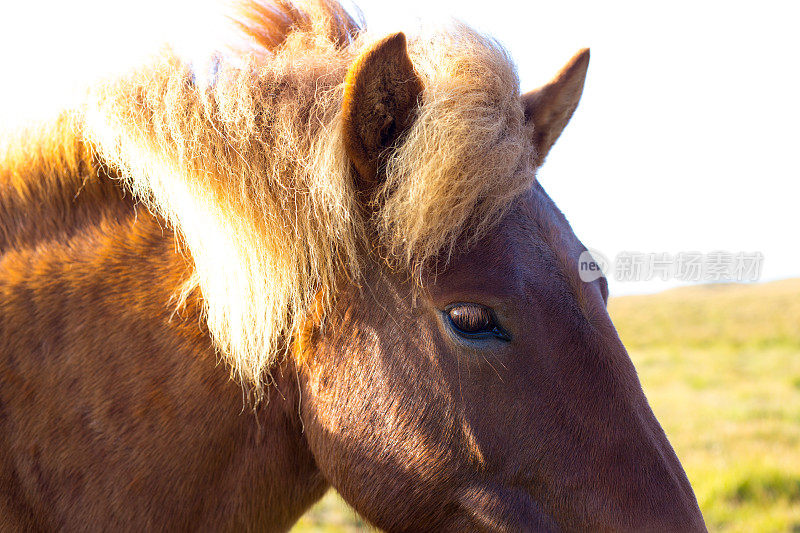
(720, 365)
(330, 515)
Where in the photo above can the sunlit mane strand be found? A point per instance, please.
(252, 172)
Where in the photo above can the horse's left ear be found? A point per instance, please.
(549, 108)
(380, 101)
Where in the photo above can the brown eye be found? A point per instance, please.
(471, 318)
(474, 322)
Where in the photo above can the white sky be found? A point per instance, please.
(686, 139)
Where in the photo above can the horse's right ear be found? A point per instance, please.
(380, 101)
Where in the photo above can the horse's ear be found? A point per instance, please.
(380, 102)
(550, 107)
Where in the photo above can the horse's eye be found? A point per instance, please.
(471, 318)
(474, 321)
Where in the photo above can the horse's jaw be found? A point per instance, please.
(489, 507)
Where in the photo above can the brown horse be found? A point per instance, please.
(349, 232)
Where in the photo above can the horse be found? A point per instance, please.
(328, 265)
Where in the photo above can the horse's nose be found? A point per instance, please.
(667, 483)
(646, 486)
(623, 467)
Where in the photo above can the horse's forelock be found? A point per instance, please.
(468, 154)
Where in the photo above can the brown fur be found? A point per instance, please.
(166, 235)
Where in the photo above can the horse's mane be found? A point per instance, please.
(251, 170)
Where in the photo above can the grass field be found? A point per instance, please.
(721, 367)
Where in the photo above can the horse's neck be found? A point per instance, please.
(86, 294)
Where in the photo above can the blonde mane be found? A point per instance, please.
(251, 169)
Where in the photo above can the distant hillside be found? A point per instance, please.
(708, 316)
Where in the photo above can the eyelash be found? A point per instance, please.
(496, 330)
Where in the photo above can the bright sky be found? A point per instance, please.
(686, 139)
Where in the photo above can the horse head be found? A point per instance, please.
(484, 386)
